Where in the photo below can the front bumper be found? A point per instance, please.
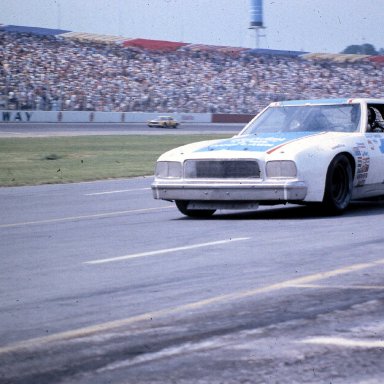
(276, 191)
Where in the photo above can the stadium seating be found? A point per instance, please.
(42, 69)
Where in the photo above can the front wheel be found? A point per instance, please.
(182, 207)
(338, 185)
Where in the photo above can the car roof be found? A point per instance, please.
(327, 102)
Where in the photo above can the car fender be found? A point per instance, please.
(313, 168)
(313, 157)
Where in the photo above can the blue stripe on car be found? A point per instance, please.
(261, 142)
(313, 102)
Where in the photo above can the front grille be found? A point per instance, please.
(221, 169)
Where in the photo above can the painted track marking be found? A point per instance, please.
(163, 251)
(344, 342)
(97, 215)
(319, 286)
(117, 191)
(114, 325)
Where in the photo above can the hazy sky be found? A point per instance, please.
(309, 25)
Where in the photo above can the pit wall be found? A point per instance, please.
(15, 116)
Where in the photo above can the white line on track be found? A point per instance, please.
(163, 251)
(117, 191)
(318, 286)
(73, 218)
(344, 342)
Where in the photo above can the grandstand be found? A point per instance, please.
(51, 69)
(337, 57)
(160, 45)
(153, 45)
(92, 37)
(32, 30)
(276, 52)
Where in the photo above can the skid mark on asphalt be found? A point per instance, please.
(85, 217)
(114, 325)
(164, 251)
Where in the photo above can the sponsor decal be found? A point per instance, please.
(375, 141)
(262, 142)
(363, 161)
(16, 116)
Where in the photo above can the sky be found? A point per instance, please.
(299, 25)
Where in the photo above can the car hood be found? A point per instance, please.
(263, 142)
(258, 146)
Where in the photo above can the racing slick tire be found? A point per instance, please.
(182, 207)
(338, 185)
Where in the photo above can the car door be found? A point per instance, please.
(373, 154)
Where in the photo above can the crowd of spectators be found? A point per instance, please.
(52, 73)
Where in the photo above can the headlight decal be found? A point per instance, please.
(168, 170)
(281, 169)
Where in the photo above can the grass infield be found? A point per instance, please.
(48, 160)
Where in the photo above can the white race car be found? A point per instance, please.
(303, 152)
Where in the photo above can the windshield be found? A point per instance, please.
(312, 118)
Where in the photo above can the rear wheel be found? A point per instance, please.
(182, 207)
(338, 185)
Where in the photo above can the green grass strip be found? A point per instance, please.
(48, 160)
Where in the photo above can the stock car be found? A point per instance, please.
(163, 122)
(312, 152)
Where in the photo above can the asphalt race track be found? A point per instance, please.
(100, 283)
(73, 129)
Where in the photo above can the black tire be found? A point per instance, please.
(338, 185)
(182, 207)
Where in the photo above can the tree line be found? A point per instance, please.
(363, 49)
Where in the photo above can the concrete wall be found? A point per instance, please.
(10, 116)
